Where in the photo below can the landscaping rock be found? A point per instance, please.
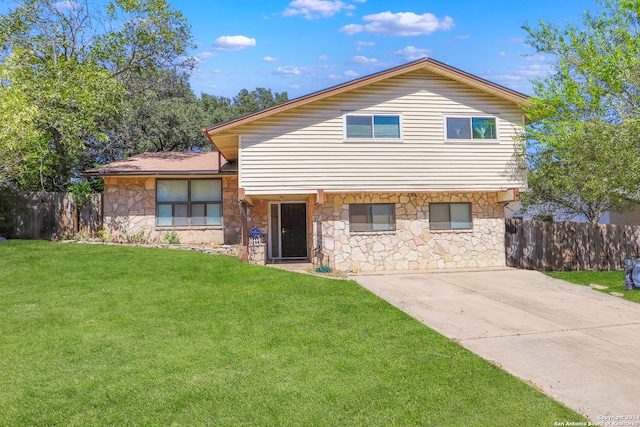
(617, 294)
(231, 250)
(598, 287)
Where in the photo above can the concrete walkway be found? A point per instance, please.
(575, 344)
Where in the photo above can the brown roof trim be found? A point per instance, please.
(432, 64)
(513, 95)
(165, 163)
(107, 172)
(208, 136)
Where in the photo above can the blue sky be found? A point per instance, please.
(301, 46)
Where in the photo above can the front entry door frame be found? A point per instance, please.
(276, 232)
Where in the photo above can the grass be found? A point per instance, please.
(613, 280)
(108, 335)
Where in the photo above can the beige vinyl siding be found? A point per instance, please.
(302, 150)
(631, 217)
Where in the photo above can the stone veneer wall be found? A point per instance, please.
(412, 245)
(130, 209)
(231, 215)
(258, 216)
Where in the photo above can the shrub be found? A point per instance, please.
(9, 208)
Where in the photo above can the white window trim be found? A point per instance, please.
(372, 114)
(472, 140)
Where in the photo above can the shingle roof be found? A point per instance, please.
(166, 163)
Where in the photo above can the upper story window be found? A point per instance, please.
(184, 202)
(372, 127)
(471, 128)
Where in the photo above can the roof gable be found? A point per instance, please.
(425, 63)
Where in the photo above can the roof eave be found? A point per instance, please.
(155, 173)
(511, 95)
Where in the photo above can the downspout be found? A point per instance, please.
(318, 258)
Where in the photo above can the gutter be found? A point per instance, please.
(156, 173)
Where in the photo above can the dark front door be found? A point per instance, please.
(293, 230)
(287, 230)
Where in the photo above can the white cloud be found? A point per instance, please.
(362, 44)
(400, 24)
(363, 60)
(349, 74)
(324, 57)
(536, 70)
(232, 43)
(520, 78)
(204, 55)
(536, 57)
(68, 5)
(412, 53)
(288, 70)
(312, 9)
(352, 29)
(269, 59)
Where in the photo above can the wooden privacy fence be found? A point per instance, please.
(569, 246)
(47, 216)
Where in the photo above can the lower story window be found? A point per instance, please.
(372, 217)
(447, 216)
(184, 202)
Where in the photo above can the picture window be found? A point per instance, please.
(185, 202)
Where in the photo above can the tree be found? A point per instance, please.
(218, 109)
(591, 169)
(246, 102)
(166, 116)
(67, 70)
(67, 104)
(584, 133)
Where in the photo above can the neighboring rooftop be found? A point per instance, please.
(166, 163)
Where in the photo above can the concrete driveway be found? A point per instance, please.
(575, 344)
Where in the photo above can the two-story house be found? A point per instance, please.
(408, 168)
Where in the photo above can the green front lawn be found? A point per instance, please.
(613, 280)
(108, 335)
